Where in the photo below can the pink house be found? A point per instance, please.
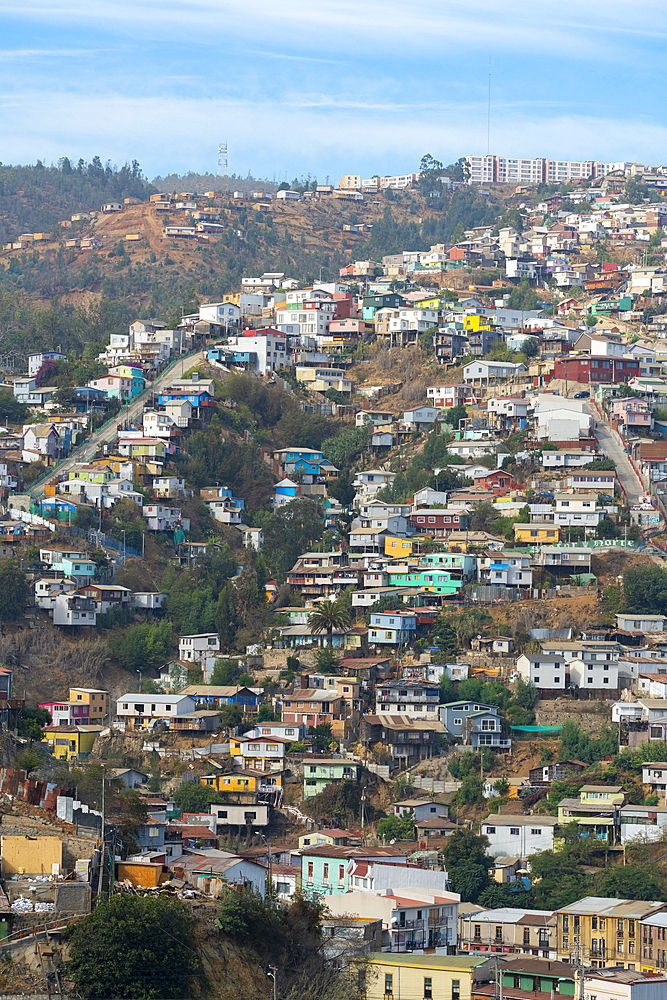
(631, 412)
(68, 713)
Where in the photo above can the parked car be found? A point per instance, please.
(582, 395)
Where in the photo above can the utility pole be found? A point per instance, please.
(363, 803)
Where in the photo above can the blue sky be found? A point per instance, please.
(329, 87)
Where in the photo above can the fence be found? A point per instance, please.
(101, 539)
(431, 785)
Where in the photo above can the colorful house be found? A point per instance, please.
(536, 533)
(70, 742)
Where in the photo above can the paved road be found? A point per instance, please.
(128, 413)
(610, 447)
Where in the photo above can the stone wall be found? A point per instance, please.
(590, 716)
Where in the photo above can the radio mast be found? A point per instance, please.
(222, 160)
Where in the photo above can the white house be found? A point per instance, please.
(577, 510)
(143, 711)
(148, 600)
(519, 836)
(544, 670)
(641, 622)
(486, 371)
(654, 774)
(591, 675)
(420, 417)
(253, 538)
(231, 815)
(202, 649)
(71, 609)
(48, 589)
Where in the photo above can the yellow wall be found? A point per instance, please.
(142, 873)
(397, 547)
(475, 323)
(34, 855)
(522, 533)
(68, 744)
(408, 978)
(231, 783)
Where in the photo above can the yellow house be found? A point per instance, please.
(537, 533)
(70, 742)
(242, 782)
(397, 547)
(413, 977)
(475, 323)
(97, 700)
(428, 302)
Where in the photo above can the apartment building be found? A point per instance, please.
(604, 931)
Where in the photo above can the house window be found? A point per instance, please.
(536, 832)
(490, 829)
(388, 984)
(428, 988)
(325, 875)
(341, 873)
(456, 989)
(499, 932)
(514, 831)
(310, 871)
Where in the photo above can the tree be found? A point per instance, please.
(321, 736)
(456, 414)
(32, 722)
(195, 798)
(29, 761)
(224, 672)
(10, 410)
(326, 660)
(155, 937)
(341, 489)
(397, 827)
(143, 647)
(469, 879)
(231, 716)
(14, 591)
(591, 320)
(328, 617)
(444, 637)
(502, 786)
(430, 172)
(606, 528)
(645, 589)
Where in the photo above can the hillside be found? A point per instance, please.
(79, 295)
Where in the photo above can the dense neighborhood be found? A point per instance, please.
(343, 602)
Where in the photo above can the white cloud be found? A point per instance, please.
(182, 134)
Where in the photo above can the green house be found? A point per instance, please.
(317, 774)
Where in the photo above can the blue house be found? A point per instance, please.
(303, 462)
(196, 396)
(214, 696)
(392, 628)
(285, 492)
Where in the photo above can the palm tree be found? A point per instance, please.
(328, 616)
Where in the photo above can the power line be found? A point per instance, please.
(488, 115)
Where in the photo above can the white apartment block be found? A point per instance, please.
(491, 169)
(519, 836)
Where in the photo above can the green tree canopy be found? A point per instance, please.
(14, 591)
(134, 947)
(645, 589)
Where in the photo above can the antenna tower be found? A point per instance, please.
(488, 115)
(222, 160)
